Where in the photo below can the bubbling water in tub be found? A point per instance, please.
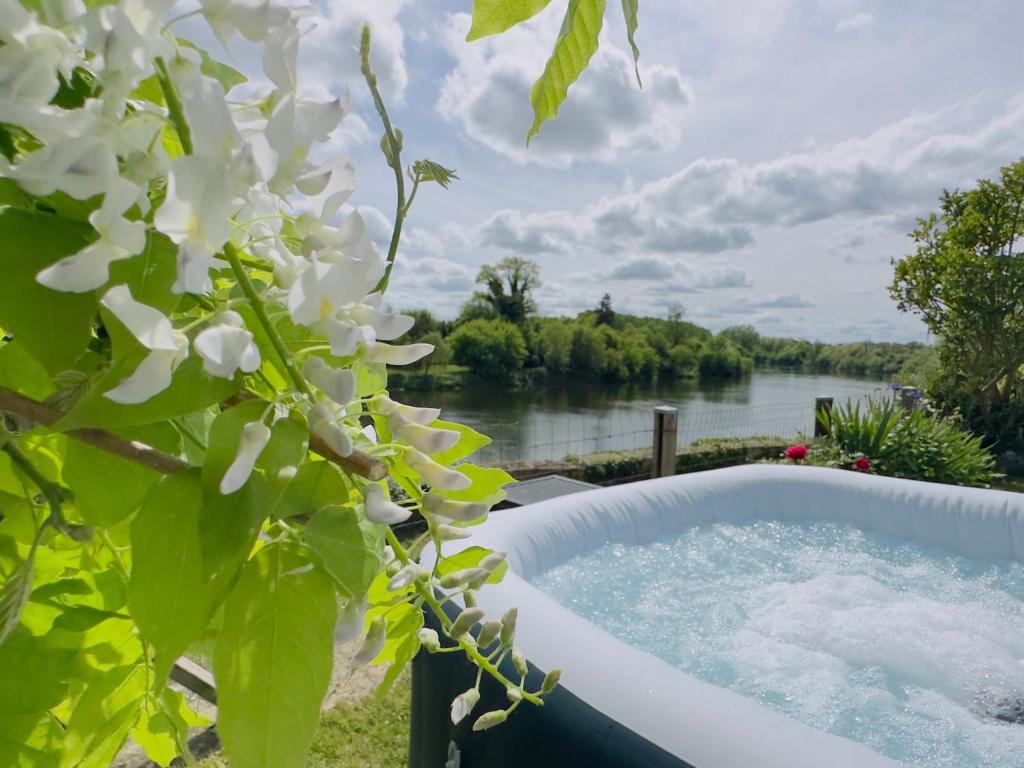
(913, 652)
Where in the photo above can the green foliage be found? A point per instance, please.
(576, 44)
(489, 347)
(965, 280)
(510, 285)
(722, 359)
(629, 12)
(492, 17)
(273, 659)
(918, 444)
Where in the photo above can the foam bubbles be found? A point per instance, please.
(910, 651)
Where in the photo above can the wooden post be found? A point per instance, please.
(822, 407)
(908, 397)
(663, 459)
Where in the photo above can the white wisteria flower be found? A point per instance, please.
(406, 354)
(252, 19)
(339, 384)
(436, 475)
(380, 509)
(167, 347)
(227, 347)
(196, 216)
(255, 436)
(463, 704)
(81, 167)
(429, 440)
(424, 416)
(324, 424)
(118, 239)
(459, 511)
(32, 57)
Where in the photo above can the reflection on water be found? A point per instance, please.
(551, 422)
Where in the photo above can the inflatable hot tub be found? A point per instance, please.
(619, 706)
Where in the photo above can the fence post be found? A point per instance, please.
(822, 405)
(908, 397)
(663, 459)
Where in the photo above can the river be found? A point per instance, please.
(555, 421)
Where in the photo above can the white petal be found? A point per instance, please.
(226, 348)
(387, 325)
(424, 416)
(84, 271)
(255, 436)
(426, 439)
(461, 511)
(379, 352)
(350, 622)
(81, 167)
(147, 324)
(435, 475)
(324, 425)
(152, 376)
(379, 509)
(406, 576)
(338, 384)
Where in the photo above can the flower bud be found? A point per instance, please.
(429, 640)
(450, 533)
(508, 627)
(491, 562)
(373, 643)
(434, 474)
(425, 439)
(513, 694)
(255, 436)
(469, 598)
(405, 354)
(393, 567)
(458, 578)
(380, 509)
(462, 511)
(339, 384)
(407, 576)
(488, 633)
(464, 621)
(423, 416)
(490, 719)
(463, 704)
(519, 662)
(350, 621)
(323, 424)
(550, 681)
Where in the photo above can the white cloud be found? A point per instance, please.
(856, 21)
(487, 95)
(330, 52)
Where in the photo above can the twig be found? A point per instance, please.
(395, 161)
(19, 405)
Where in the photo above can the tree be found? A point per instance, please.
(744, 336)
(966, 282)
(489, 347)
(424, 323)
(605, 313)
(510, 284)
(555, 345)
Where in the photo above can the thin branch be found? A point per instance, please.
(358, 462)
(395, 161)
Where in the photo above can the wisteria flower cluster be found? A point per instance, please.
(198, 444)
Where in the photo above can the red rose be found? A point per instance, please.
(862, 464)
(796, 452)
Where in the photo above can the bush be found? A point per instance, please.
(489, 347)
(918, 444)
(722, 359)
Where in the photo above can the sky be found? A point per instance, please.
(767, 172)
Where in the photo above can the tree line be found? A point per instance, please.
(499, 335)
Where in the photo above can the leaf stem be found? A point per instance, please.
(481, 661)
(245, 283)
(394, 161)
(175, 109)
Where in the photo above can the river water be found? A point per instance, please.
(558, 420)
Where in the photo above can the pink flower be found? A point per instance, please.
(863, 464)
(796, 452)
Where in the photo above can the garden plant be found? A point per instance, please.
(196, 441)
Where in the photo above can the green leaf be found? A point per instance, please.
(53, 326)
(273, 658)
(107, 488)
(428, 170)
(470, 558)
(487, 484)
(403, 620)
(228, 529)
(228, 77)
(22, 372)
(348, 546)
(469, 443)
(167, 593)
(224, 438)
(576, 44)
(318, 484)
(629, 10)
(151, 274)
(191, 390)
(404, 653)
(491, 17)
(14, 595)
(33, 675)
(103, 717)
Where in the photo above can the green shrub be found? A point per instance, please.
(488, 347)
(918, 444)
(722, 359)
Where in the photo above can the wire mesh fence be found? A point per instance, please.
(558, 436)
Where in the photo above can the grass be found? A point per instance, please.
(369, 732)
